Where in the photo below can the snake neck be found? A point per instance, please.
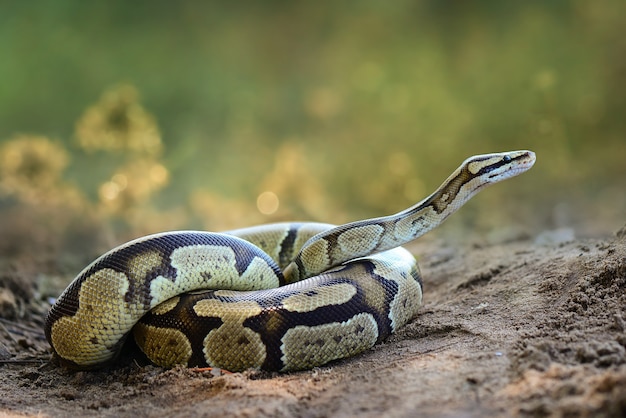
(362, 238)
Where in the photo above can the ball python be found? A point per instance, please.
(281, 297)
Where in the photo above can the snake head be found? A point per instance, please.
(473, 175)
(492, 168)
(500, 166)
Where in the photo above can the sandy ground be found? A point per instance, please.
(525, 327)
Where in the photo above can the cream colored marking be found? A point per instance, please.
(291, 273)
(305, 347)
(102, 318)
(215, 308)
(309, 300)
(475, 166)
(165, 347)
(409, 226)
(258, 275)
(165, 307)
(315, 257)
(267, 240)
(308, 231)
(141, 264)
(359, 240)
(232, 346)
(373, 291)
(405, 303)
(396, 265)
(201, 267)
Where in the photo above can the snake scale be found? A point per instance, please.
(287, 296)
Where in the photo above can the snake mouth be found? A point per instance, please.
(518, 164)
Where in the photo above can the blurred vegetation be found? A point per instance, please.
(122, 118)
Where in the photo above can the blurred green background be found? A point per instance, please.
(121, 118)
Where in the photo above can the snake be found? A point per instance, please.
(280, 297)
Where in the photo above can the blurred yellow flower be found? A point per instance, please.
(132, 185)
(117, 122)
(31, 166)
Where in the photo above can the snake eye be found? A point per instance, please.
(506, 159)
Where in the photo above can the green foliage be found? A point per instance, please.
(337, 110)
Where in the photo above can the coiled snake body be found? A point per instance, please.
(287, 296)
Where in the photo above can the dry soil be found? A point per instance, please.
(527, 327)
